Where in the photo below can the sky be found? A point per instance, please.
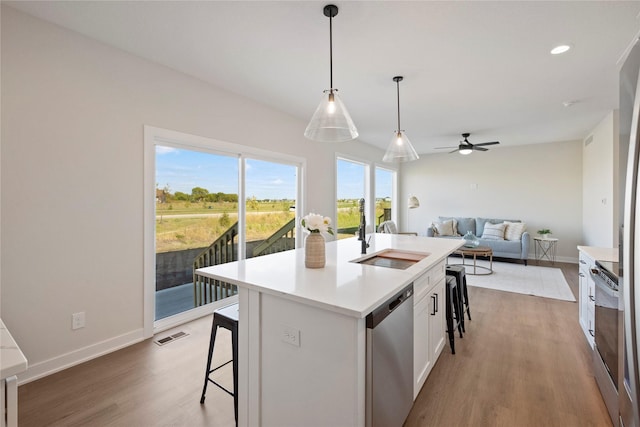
(182, 170)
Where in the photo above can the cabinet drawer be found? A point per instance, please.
(430, 278)
(585, 262)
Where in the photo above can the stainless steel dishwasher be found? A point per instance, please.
(389, 378)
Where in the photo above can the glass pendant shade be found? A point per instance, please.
(400, 149)
(331, 122)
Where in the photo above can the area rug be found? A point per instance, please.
(543, 282)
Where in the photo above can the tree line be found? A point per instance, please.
(198, 194)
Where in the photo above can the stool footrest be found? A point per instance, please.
(223, 365)
(222, 387)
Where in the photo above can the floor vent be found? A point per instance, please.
(170, 338)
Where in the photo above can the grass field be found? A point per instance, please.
(184, 225)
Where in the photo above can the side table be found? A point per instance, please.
(484, 251)
(545, 248)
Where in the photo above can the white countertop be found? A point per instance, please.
(600, 254)
(342, 286)
(12, 361)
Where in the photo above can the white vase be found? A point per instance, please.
(314, 256)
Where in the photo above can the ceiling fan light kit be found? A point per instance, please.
(560, 49)
(466, 148)
(331, 121)
(400, 148)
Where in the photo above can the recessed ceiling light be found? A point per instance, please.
(560, 49)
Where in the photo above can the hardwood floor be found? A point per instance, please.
(142, 385)
(523, 362)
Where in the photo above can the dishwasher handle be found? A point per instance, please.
(379, 314)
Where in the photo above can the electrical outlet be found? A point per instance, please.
(77, 320)
(291, 335)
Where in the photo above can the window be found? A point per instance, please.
(351, 186)
(385, 190)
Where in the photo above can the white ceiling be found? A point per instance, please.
(478, 67)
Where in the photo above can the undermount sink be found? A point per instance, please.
(392, 258)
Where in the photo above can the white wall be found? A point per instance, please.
(538, 184)
(73, 112)
(600, 203)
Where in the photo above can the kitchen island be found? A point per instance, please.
(302, 332)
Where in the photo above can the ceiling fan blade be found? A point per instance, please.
(443, 148)
(476, 148)
(487, 143)
(454, 151)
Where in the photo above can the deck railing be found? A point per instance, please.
(223, 250)
(280, 241)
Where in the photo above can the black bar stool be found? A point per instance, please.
(461, 279)
(452, 311)
(225, 317)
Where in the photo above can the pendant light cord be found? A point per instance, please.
(398, 87)
(331, 52)
(398, 79)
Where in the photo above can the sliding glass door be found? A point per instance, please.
(209, 202)
(271, 193)
(196, 222)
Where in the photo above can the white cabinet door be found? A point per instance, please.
(437, 328)
(587, 297)
(421, 351)
(429, 323)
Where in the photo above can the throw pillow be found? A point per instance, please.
(456, 231)
(444, 228)
(493, 231)
(514, 230)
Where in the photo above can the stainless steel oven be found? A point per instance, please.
(605, 276)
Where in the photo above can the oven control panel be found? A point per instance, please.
(609, 278)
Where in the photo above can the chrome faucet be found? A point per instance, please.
(362, 228)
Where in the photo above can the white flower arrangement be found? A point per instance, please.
(315, 223)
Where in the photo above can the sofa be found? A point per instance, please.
(507, 238)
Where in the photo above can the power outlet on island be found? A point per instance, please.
(77, 320)
(291, 335)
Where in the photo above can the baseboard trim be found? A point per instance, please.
(76, 357)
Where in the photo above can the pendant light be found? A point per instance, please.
(331, 122)
(400, 148)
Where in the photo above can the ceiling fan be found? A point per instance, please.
(466, 147)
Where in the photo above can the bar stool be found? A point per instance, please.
(458, 272)
(225, 317)
(452, 311)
